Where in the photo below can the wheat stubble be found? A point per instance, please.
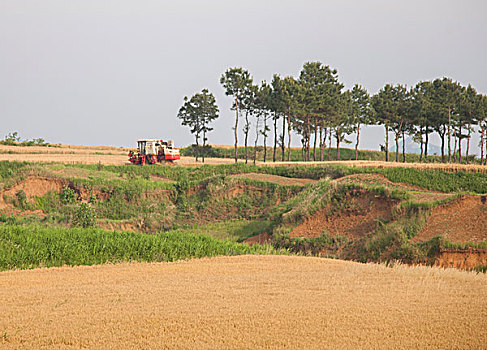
(243, 302)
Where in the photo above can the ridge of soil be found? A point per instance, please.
(360, 216)
(280, 180)
(462, 220)
(462, 258)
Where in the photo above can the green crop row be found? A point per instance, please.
(32, 246)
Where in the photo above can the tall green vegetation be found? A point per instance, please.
(24, 247)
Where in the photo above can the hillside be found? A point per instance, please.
(379, 214)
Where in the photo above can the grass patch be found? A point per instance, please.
(24, 247)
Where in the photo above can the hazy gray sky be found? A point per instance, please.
(109, 72)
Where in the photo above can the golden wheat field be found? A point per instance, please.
(245, 302)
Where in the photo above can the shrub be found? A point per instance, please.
(21, 198)
(68, 196)
(84, 216)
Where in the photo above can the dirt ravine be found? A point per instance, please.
(461, 220)
(462, 258)
(251, 302)
(364, 210)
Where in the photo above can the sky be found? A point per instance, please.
(110, 72)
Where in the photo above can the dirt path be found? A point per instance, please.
(243, 302)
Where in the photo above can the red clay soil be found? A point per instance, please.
(280, 180)
(35, 187)
(260, 239)
(359, 218)
(462, 220)
(462, 258)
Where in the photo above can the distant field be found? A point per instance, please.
(258, 302)
(106, 155)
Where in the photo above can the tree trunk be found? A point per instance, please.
(275, 137)
(481, 146)
(357, 141)
(236, 129)
(421, 144)
(247, 127)
(321, 143)
(468, 142)
(455, 146)
(324, 144)
(265, 137)
(449, 134)
(397, 146)
(329, 145)
(387, 142)
(283, 145)
(316, 137)
(197, 146)
(289, 138)
(204, 144)
(403, 146)
(482, 142)
(442, 136)
(308, 124)
(460, 145)
(338, 143)
(426, 145)
(256, 138)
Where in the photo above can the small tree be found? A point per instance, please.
(197, 113)
(361, 111)
(236, 82)
(84, 216)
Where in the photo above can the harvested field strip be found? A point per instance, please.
(382, 164)
(280, 180)
(62, 149)
(257, 302)
(31, 246)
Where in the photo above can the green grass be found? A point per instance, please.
(437, 180)
(24, 247)
(296, 154)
